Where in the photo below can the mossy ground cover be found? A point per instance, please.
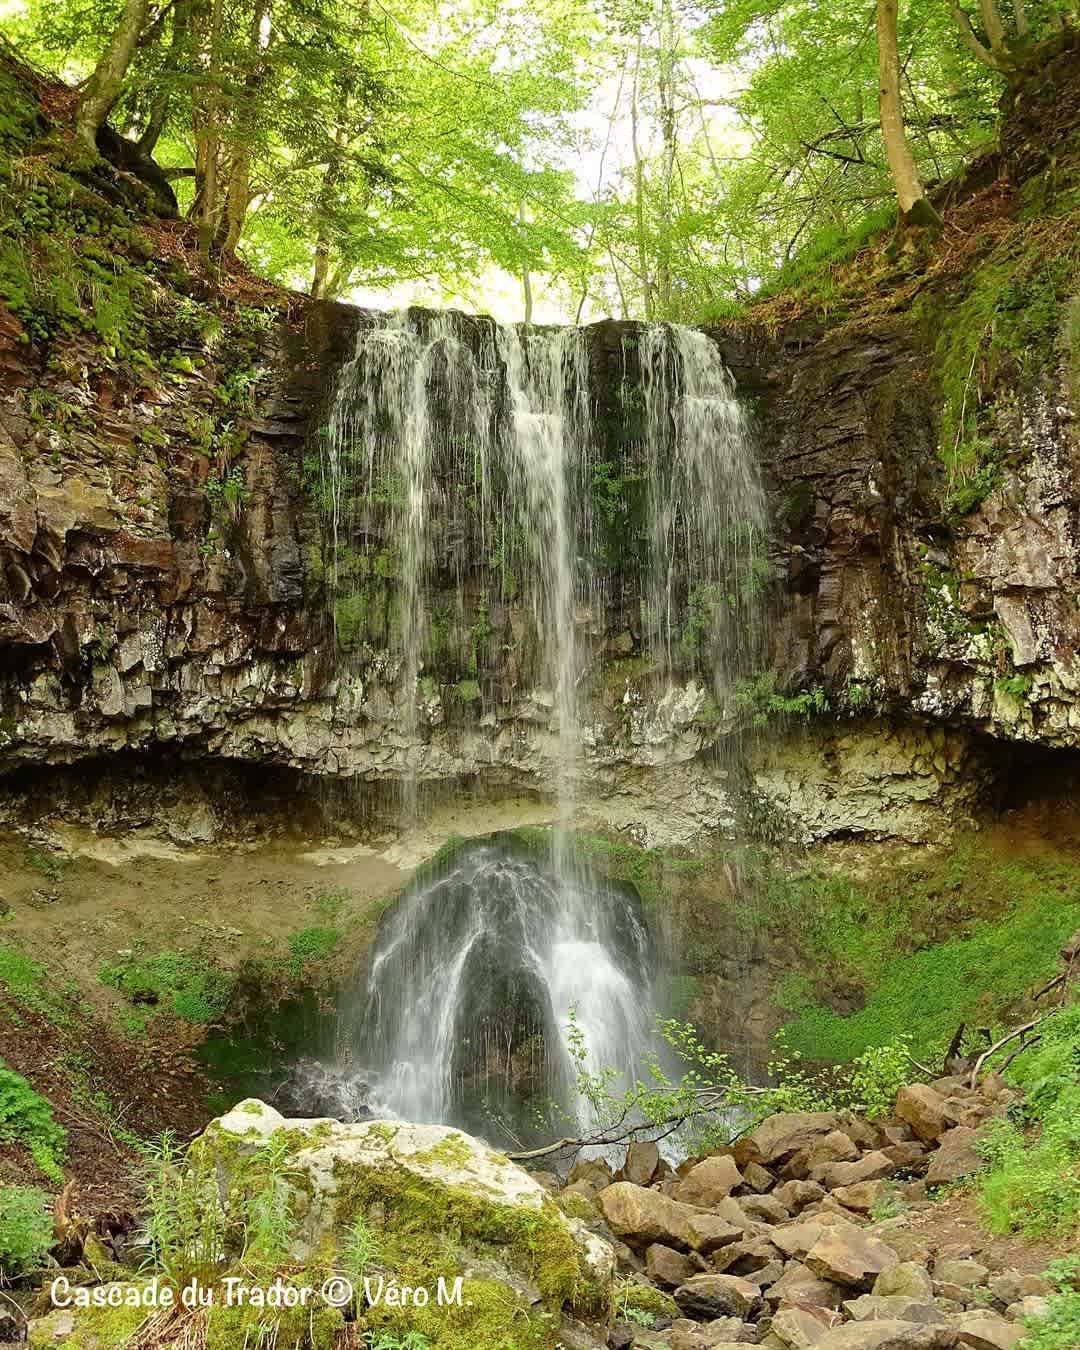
(958, 938)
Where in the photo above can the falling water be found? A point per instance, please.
(707, 507)
(492, 953)
(415, 392)
(480, 969)
(547, 382)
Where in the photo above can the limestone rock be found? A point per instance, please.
(981, 1330)
(710, 1296)
(783, 1134)
(963, 1272)
(849, 1257)
(642, 1163)
(898, 1307)
(646, 1216)
(955, 1158)
(668, 1267)
(802, 1328)
(870, 1167)
(709, 1182)
(890, 1335)
(919, 1106)
(909, 1279)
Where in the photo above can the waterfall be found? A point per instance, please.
(547, 382)
(707, 508)
(457, 461)
(473, 979)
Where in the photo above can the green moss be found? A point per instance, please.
(491, 1316)
(577, 1206)
(309, 946)
(316, 1327)
(633, 1297)
(957, 938)
(95, 1328)
(189, 985)
(423, 1222)
(28, 982)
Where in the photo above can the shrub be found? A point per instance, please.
(1034, 1184)
(27, 1118)
(26, 1229)
(1059, 1329)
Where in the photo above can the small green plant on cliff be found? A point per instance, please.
(26, 1118)
(26, 1229)
(309, 946)
(1033, 1182)
(188, 985)
(760, 698)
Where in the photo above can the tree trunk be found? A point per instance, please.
(915, 207)
(208, 133)
(639, 190)
(666, 94)
(238, 192)
(104, 85)
(159, 109)
(526, 279)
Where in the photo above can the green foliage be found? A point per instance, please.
(759, 697)
(1059, 1328)
(26, 1229)
(1033, 1184)
(921, 959)
(28, 983)
(310, 946)
(193, 988)
(27, 1118)
(877, 1076)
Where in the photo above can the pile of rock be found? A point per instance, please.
(785, 1239)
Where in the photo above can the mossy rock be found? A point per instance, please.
(94, 1328)
(432, 1202)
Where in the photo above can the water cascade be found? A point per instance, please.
(502, 971)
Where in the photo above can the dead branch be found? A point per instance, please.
(1012, 1035)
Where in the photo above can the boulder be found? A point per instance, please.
(955, 1158)
(709, 1296)
(984, 1330)
(642, 1163)
(964, 1272)
(763, 1208)
(667, 1267)
(417, 1178)
(595, 1171)
(758, 1178)
(801, 1286)
(908, 1279)
(802, 1328)
(850, 1257)
(796, 1239)
(870, 1167)
(1010, 1286)
(642, 1216)
(924, 1110)
(862, 1196)
(796, 1195)
(721, 1332)
(707, 1232)
(898, 1307)
(785, 1133)
(890, 1335)
(745, 1257)
(708, 1182)
(1031, 1305)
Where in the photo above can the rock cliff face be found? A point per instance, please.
(162, 558)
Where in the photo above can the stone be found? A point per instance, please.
(758, 1178)
(796, 1239)
(642, 1163)
(801, 1286)
(923, 1108)
(709, 1296)
(890, 1335)
(870, 1167)
(862, 1195)
(763, 1208)
(708, 1182)
(766, 1275)
(1032, 1305)
(745, 1257)
(645, 1216)
(801, 1328)
(596, 1172)
(330, 1168)
(796, 1195)
(1009, 1286)
(966, 1273)
(908, 1279)
(898, 1307)
(984, 1330)
(905, 1155)
(849, 1257)
(684, 1334)
(706, 1232)
(836, 1146)
(781, 1135)
(667, 1267)
(956, 1157)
